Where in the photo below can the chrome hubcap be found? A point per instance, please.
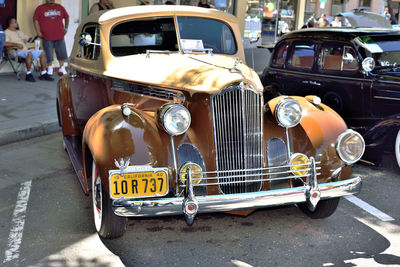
(96, 197)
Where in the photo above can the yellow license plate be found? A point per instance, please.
(138, 184)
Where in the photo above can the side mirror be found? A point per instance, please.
(368, 64)
(85, 39)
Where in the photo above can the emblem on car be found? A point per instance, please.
(122, 165)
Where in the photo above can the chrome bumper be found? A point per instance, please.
(220, 203)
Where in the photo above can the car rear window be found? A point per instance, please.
(280, 55)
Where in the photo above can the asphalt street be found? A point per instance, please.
(53, 223)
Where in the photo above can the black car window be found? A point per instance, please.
(350, 59)
(331, 57)
(302, 56)
(280, 56)
(336, 57)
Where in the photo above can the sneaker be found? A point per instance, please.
(46, 77)
(62, 71)
(29, 78)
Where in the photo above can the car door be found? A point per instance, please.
(88, 88)
(339, 81)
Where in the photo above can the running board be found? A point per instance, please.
(73, 145)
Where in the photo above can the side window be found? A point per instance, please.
(91, 51)
(350, 59)
(302, 56)
(280, 55)
(331, 58)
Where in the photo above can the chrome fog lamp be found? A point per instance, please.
(350, 146)
(288, 112)
(300, 164)
(196, 176)
(368, 64)
(175, 119)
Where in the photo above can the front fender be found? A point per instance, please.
(110, 136)
(322, 126)
(379, 132)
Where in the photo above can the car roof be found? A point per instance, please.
(342, 34)
(156, 10)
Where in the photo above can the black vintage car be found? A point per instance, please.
(354, 71)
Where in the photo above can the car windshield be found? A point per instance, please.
(158, 34)
(201, 33)
(385, 49)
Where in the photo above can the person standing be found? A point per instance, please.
(101, 5)
(323, 22)
(48, 20)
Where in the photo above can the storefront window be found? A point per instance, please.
(269, 19)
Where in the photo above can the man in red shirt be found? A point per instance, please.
(49, 25)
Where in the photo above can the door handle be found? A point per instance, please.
(305, 82)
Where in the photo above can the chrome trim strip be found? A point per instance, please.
(387, 98)
(313, 75)
(175, 159)
(221, 203)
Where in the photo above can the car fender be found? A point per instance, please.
(322, 125)
(111, 136)
(65, 111)
(377, 134)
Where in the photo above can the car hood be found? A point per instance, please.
(190, 72)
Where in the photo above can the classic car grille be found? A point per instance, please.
(237, 115)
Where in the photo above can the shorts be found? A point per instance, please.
(24, 53)
(2, 41)
(58, 45)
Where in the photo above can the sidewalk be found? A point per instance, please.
(27, 109)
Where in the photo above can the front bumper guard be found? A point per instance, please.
(311, 194)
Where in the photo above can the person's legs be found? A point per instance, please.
(61, 52)
(28, 62)
(48, 49)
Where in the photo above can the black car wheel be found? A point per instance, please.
(325, 208)
(107, 224)
(334, 101)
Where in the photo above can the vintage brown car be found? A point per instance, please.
(160, 116)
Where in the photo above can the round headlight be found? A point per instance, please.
(196, 177)
(350, 146)
(175, 119)
(288, 112)
(299, 164)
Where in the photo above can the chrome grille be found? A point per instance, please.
(237, 118)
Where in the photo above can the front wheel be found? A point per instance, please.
(107, 224)
(397, 148)
(325, 208)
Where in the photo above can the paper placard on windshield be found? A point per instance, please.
(191, 44)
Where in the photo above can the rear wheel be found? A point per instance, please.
(325, 208)
(107, 224)
(397, 148)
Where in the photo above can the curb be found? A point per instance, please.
(19, 134)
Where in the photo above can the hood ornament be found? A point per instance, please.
(122, 165)
(235, 67)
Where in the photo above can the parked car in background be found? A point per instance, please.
(160, 117)
(354, 71)
(360, 18)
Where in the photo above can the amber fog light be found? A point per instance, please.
(350, 146)
(196, 173)
(300, 164)
(175, 119)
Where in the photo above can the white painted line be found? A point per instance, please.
(368, 208)
(17, 223)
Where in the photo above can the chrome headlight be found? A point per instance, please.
(175, 119)
(350, 146)
(288, 112)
